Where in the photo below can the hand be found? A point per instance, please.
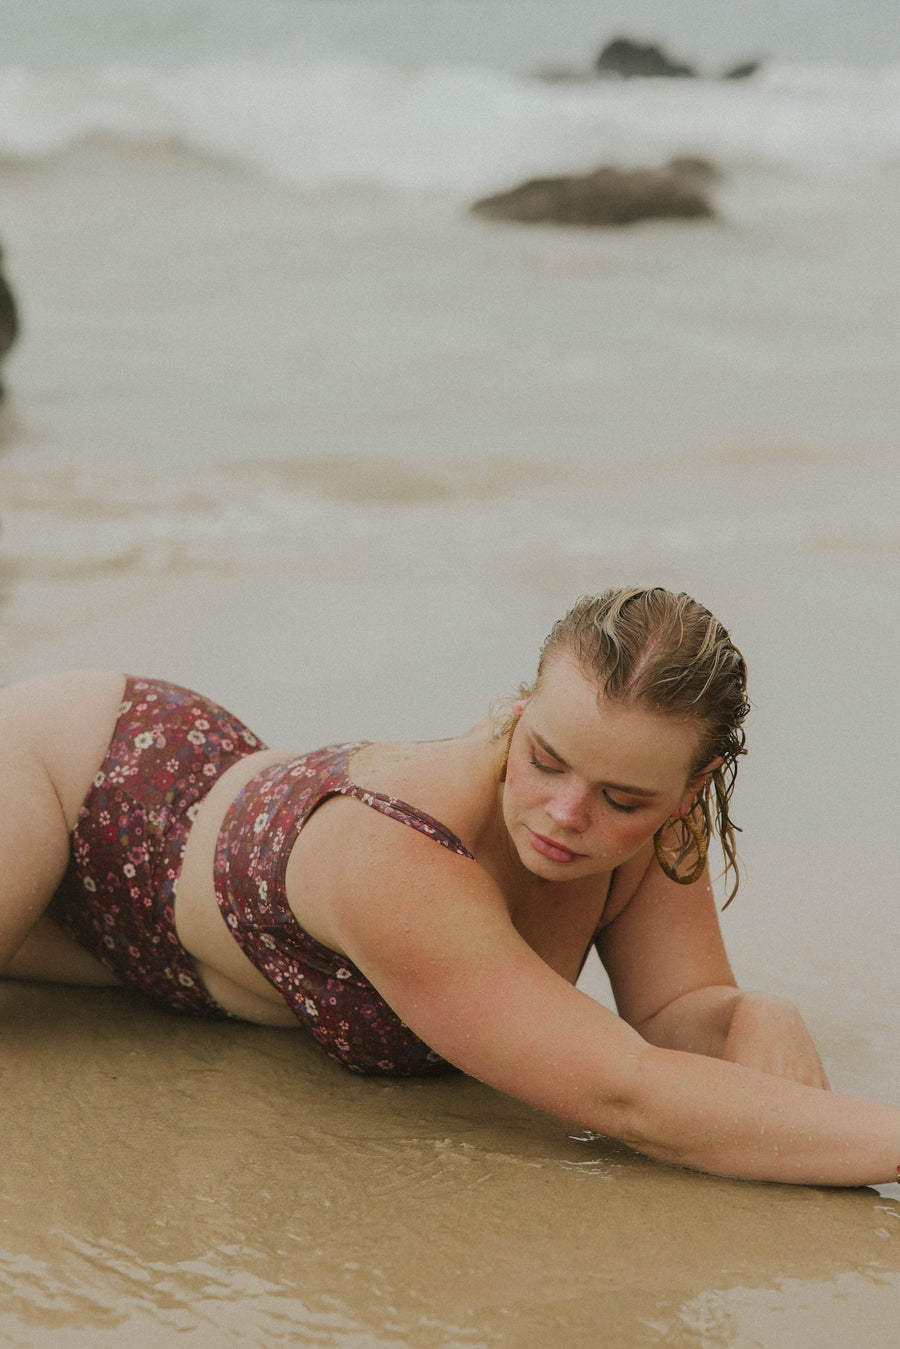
(768, 1033)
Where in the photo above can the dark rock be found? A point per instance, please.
(9, 318)
(742, 71)
(607, 197)
(630, 59)
(627, 59)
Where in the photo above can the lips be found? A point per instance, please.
(555, 852)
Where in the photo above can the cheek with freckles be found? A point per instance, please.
(587, 824)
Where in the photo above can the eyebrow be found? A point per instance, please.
(610, 786)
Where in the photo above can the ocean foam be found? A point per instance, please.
(462, 130)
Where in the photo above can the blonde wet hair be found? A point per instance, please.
(663, 651)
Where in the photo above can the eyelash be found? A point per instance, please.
(614, 805)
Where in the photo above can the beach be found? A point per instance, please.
(287, 425)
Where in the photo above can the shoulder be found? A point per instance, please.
(454, 781)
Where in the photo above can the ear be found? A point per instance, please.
(695, 785)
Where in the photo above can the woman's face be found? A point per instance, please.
(588, 783)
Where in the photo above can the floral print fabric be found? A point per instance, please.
(328, 994)
(168, 749)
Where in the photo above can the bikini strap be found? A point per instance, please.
(403, 812)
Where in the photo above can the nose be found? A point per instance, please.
(568, 807)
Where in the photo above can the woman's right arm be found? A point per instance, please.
(430, 931)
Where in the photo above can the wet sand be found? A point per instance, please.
(227, 1185)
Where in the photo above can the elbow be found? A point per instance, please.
(639, 1110)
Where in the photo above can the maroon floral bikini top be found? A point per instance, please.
(344, 1013)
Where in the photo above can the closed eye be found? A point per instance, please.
(617, 805)
(543, 767)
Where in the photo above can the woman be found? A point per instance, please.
(148, 838)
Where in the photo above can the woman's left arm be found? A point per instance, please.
(664, 954)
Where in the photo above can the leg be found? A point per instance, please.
(49, 954)
(34, 844)
(53, 735)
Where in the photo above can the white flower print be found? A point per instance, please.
(144, 740)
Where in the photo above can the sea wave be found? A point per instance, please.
(69, 524)
(452, 128)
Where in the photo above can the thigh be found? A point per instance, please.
(53, 735)
(47, 953)
(34, 846)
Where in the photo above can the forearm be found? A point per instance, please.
(699, 1112)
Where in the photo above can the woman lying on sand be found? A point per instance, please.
(148, 838)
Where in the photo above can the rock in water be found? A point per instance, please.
(630, 59)
(627, 59)
(742, 71)
(9, 318)
(607, 196)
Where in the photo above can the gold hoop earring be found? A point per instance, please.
(698, 839)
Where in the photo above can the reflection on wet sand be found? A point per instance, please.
(230, 1185)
